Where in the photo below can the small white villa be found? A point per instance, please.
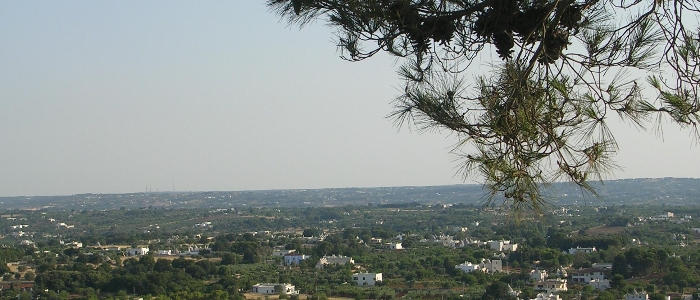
(367, 279)
(334, 260)
(137, 251)
(274, 289)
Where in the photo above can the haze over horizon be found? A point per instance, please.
(119, 97)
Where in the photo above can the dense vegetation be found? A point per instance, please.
(235, 251)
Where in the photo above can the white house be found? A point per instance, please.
(488, 266)
(492, 266)
(274, 288)
(393, 246)
(586, 275)
(334, 260)
(468, 267)
(601, 285)
(294, 258)
(637, 296)
(602, 265)
(191, 250)
(367, 279)
(165, 252)
(538, 275)
(281, 253)
(502, 245)
(549, 296)
(584, 250)
(137, 251)
(551, 286)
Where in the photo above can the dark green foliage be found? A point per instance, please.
(541, 114)
(309, 232)
(423, 271)
(497, 291)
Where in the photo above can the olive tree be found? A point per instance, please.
(540, 112)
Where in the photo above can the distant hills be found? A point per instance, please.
(668, 191)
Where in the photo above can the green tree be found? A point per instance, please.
(620, 265)
(29, 276)
(606, 295)
(497, 291)
(309, 232)
(541, 114)
(229, 258)
(657, 296)
(617, 282)
(25, 296)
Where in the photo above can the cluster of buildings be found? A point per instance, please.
(548, 286)
(594, 277)
(291, 257)
(450, 241)
(486, 265)
(139, 251)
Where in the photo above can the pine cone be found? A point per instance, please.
(504, 44)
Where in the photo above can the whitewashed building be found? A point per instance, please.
(294, 258)
(602, 265)
(492, 266)
(546, 296)
(274, 288)
(165, 252)
(538, 275)
(468, 267)
(601, 285)
(334, 260)
(393, 246)
(281, 253)
(502, 245)
(637, 296)
(486, 265)
(586, 275)
(137, 251)
(551, 286)
(584, 250)
(367, 279)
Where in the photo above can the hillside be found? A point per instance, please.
(668, 191)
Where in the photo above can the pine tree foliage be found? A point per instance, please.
(539, 114)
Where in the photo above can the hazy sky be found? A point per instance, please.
(125, 96)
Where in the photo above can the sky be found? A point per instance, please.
(127, 96)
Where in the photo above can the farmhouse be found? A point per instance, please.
(584, 250)
(367, 279)
(137, 251)
(294, 258)
(334, 260)
(274, 289)
(586, 275)
(551, 286)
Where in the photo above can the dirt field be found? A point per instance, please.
(604, 230)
